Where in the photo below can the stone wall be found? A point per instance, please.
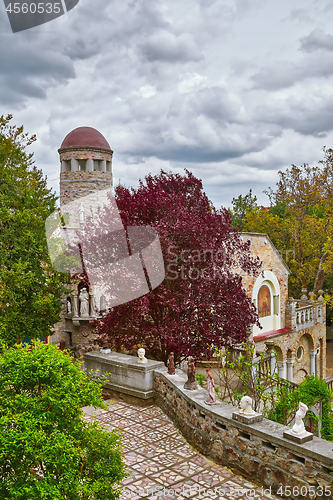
(74, 185)
(258, 450)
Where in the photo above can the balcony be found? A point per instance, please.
(301, 315)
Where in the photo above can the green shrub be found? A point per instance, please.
(47, 450)
(200, 379)
(309, 392)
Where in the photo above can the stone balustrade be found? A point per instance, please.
(300, 316)
(304, 317)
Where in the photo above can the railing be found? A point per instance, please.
(329, 382)
(262, 364)
(304, 314)
(300, 316)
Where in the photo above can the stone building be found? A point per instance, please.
(295, 329)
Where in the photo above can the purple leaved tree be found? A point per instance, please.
(201, 304)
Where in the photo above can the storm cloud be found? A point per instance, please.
(230, 89)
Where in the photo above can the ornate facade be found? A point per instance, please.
(295, 329)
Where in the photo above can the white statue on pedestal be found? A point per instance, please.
(245, 406)
(141, 353)
(84, 299)
(299, 427)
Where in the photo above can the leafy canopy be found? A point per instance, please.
(47, 450)
(30, 289)
(300, 223)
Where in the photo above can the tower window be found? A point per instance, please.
(82, 165)
(108, 166)
(98, 165)
(67, 166)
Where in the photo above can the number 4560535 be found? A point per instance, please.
(33, 8)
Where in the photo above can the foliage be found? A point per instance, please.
(240, 207)
(201, 303)
(241, 374)
(47, 450)
(309, 392)
(300, 224)
(30, 289)
(276, 398)
(200, 379)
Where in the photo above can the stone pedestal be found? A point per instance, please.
(125, 374)
(298, 438)
(191, 386)
(247, 419)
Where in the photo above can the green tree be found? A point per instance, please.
(30, 289)
(47, 450)
(300, 224)
(240, 207)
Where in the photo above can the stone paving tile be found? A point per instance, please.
(162, 465)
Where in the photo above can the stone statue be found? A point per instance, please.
(84, 299)
(299, 427)
(171, 364)
(141, 353)
(105, 345)
(245, 406)
(210, 389)
(191, 382)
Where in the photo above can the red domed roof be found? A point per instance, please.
(85, 136)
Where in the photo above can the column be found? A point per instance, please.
(74, 165)
(270, 352)
(273, 363)
(254, 370)
(282, 368)
(93, 311)
(75, 305)
(290, 369)
(103, 166)
(90, 165)
(313, 354)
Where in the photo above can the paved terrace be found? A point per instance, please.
(162, 465)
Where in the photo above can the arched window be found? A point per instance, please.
(264, 302)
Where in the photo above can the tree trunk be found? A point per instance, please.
(321, 275)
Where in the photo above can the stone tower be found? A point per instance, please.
(86, 168)
(86, 164)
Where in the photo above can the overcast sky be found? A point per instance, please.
(233, 90)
